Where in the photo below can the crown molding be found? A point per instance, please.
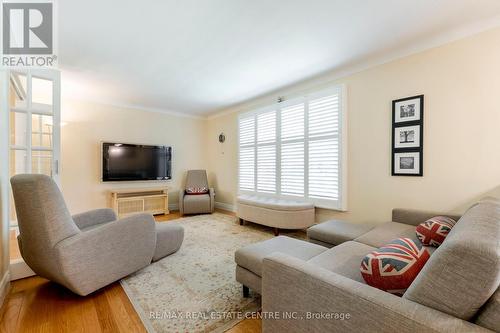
(135, 107)
(330, 77)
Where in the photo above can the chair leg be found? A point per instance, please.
(276, 231)
(246, 292)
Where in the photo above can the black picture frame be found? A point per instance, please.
(415, 118)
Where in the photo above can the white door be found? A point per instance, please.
(34, 134)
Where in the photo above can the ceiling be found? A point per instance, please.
(199, 56)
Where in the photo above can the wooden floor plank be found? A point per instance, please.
(35, 305)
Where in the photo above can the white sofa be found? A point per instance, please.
(274, 212)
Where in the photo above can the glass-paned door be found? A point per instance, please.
(34, 130)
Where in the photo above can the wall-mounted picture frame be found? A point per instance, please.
(407, 164)
(408, 109)
(408, 136)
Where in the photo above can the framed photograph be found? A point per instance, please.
(408, 109)
(407, 137)
(408, 164)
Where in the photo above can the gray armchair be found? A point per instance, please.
(199, 203)
(87, 251)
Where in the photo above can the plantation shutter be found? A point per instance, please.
(294, 149)
(323, 137)
(266, 152)
(247, 154)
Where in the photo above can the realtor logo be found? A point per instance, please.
(28, 34)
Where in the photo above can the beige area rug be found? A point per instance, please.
(194, 290)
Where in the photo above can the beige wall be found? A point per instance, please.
(461, 83)
(89, 124)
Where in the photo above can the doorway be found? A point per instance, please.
(33, 112)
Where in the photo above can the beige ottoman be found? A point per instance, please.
(274, 212)
(249, 258)
(169, 237)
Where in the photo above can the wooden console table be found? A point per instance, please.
(152, 200)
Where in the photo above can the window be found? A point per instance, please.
(294, 149)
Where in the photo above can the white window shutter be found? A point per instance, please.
(292, 150)
(295, 149)
(247, 153)
(247, 168)
(266, 152)
(323, 137)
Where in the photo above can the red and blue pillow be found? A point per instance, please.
(433, 231)
(196, 190)
(394, 266)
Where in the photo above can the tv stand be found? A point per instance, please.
(152, 200)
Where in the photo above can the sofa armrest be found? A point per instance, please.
(99, 256)
(415, 216)
(93, 217)
(212, 199)
(182, 193)
(307, 298)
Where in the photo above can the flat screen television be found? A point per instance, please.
(127, 162)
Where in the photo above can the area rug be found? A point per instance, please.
(194, 290)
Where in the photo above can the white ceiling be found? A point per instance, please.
(199, 56)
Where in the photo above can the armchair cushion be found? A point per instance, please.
(194, 204)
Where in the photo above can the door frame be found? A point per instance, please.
(18, 267)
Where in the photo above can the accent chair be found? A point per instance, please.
(196, 203)
(87, 251)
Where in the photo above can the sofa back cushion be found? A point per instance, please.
(464, 271)
(416, 216)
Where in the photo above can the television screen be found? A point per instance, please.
(124, 162)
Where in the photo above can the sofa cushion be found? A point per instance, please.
(433, 231)
(394, 266)
(343, 259)
(251, 256)
(384, 233)
(274, 203)
(464, 271)
(336, 232)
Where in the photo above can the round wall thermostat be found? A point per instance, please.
(222, 138)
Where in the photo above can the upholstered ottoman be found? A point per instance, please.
(249, 258)
(336, 232)
(274, 212)
(169, 237)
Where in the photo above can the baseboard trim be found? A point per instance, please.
(225, 206)
(4, 287)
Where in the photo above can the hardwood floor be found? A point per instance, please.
(37, 305)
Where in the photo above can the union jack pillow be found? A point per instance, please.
(196, 190)
(433, 231)
(394, 266)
